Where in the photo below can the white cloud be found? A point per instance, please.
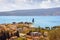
(8, 5)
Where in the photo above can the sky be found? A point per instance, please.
(9, 5)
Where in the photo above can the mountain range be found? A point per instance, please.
(33, 12)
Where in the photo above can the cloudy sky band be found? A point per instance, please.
(8, 5)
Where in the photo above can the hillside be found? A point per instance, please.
(33, 12)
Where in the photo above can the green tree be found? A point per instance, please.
(39, 29)
(47, 28)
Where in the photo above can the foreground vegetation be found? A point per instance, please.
(53, 33)
(47, 33)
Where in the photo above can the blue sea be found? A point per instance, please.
(43, 21)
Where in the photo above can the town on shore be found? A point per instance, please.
(26, 31)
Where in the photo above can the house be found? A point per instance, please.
(22, 35)
(34, 36)
(23, 29)
(20, 30)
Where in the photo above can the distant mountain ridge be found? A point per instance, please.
(33, 12)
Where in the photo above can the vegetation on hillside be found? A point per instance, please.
(52, 33)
